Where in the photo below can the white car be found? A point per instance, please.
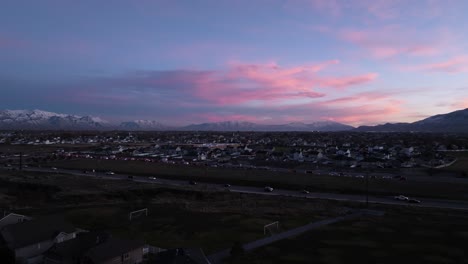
(401, 198)
(152, 178)
(268, 189)
(53, 168)
(110, 173)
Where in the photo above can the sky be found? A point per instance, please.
(358, 62)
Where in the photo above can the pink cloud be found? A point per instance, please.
(269, 82)
(212, 117)
(391, 41)
(453, 65)
(344, 82)
(371, 113)
(462, 104)
(359, 98)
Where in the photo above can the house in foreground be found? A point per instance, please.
(181, 256)
(27, 240)
(96, 248)
(13, 218)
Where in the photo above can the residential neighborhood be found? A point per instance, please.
(262, 150)
(51, 240)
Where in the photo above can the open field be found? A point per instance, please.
(401, 236)
(461, 165)
(168, 226)
(177, 217)
(215, 220)
(287, 180)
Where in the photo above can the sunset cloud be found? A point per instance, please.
(391, 41)
(242, 83)
(462, 104)
(265, 61)
(454, 65)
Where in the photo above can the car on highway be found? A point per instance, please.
(413, 201)
(227, 185)
(305, 192)
(152, 178)
(110, 173)
(192, 182)
(401, 198)
(53, 168)
(268, 189)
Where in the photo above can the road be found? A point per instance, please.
(426, 202)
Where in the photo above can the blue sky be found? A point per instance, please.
(266, 61)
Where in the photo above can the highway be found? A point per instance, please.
(389, 200)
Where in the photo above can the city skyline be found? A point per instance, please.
(354, 62)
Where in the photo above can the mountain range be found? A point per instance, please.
(454, 122)
(42, 120)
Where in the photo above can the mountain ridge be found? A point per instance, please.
(43, 120)
(453, 122)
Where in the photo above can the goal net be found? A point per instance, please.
(271, 228)
(137, 214)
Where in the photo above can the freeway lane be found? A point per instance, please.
(426, 202)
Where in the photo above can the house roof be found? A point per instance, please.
(75, 248)
(13, 214)
(182, 256)
(112, 248)
(34, 231)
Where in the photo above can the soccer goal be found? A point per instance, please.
(137, 213)
(271, 228)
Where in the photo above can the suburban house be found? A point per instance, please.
(96, 248)
(181, 256)
(13, 218)
(73, 250)
(28, 240)
(115, 250)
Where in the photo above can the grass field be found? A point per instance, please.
(401, 236)
(169, 227)
(215, 220)
(186, 219)
(177, 217)
(461, 165)
(276, 179)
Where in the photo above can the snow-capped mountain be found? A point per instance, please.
(223, 126)
(315, 126)
(142, 125)
(43, 120)
(247, 126)
(39, 120)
